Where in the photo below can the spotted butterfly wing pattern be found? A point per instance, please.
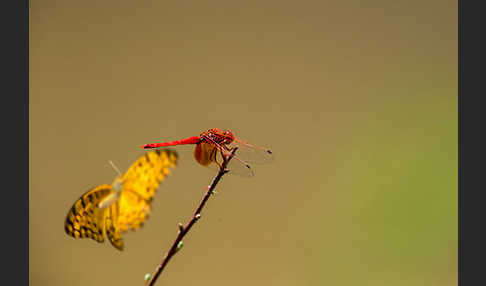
(133, 211)
(145, 175)
(85, 219)
(139, 183)
(112, 231)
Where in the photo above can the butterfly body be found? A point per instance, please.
(109, 210)
(113, 197)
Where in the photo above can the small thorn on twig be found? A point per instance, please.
(181, 227)
(213, 192)
(147, 277)
(179, 246)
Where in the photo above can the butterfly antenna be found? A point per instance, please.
(115, 168)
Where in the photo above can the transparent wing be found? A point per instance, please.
(209, 154)
(251, 153)
(236, 166)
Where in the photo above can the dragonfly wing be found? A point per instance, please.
(252, 154)
(236, 166)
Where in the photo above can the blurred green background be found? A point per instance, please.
(357, 100)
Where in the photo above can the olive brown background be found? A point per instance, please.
(357, 100)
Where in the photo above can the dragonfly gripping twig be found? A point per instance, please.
(183, 230)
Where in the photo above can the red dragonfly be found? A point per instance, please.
(211, 145)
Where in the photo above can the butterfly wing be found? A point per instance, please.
(112, 229)
(139, 185)
(134, 210)
(144, 176)
(85, 219)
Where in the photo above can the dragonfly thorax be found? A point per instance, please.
(215, 135)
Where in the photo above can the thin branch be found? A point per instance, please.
(183, 230)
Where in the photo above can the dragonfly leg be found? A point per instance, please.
(225, 151)
(219, 165)
(224, 156)
(214, 157)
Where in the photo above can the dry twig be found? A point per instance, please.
(183, 230)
